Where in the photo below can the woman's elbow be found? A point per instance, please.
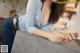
(30, 29)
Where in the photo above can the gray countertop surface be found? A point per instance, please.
(27, 43)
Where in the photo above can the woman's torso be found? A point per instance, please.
(23, 19)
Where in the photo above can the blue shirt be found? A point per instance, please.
(30, 20)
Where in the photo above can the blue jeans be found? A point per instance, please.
(8, 32)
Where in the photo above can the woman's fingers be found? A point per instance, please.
(77, 35)
(74, 35)
(56, 40)
(69, 36)
(71, 9)
(57, 37)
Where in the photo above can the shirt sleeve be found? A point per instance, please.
(30, 15)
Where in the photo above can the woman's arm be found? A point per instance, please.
(30, 20)
(56, 37)
(45, 11)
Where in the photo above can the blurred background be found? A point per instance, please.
(24, 42)
(7, 5)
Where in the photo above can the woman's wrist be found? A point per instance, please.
(41, 33)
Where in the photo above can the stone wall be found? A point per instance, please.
(18, 5)
(4, 9)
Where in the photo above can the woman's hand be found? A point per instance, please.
(69, 36)
(57, 37)
(60, 37)
(54, 36)
(70, 7)
(77, 35)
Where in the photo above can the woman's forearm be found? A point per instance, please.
(41, 33)
(56, 37)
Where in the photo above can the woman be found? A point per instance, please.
(61, 17)
(34, 21)
(68, 10)
(9, 31)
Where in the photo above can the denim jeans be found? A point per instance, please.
(8, 32)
